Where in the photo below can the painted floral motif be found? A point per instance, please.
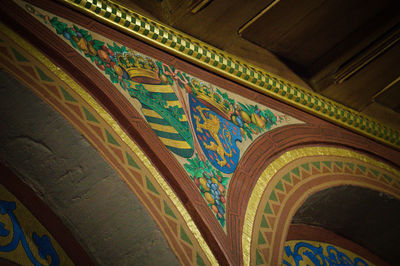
(197, 122)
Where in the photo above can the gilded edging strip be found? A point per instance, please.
(233, 68)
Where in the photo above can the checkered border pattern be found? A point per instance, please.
(234, 68)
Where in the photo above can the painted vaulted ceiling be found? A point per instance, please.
(144, 145)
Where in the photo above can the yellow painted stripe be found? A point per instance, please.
(163, 128)
(173, 103)
(159, 88)
(180, 144)
(152, 113)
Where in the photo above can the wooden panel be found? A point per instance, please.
(303, 31)
(390, 96)
(357, 91)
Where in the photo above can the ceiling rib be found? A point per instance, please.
(256, 17)
(355, 64)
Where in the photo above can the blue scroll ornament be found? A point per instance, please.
(317, 256)
(43, 243)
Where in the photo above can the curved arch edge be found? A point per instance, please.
(280, 162)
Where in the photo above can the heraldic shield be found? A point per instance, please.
(165, 115)
(216, 135)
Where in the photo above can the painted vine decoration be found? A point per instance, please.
(194, 120)
(97, 51)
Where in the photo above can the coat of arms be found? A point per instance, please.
(216, 136)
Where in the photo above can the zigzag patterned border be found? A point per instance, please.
(236, 69)
(282, 189)
(270, 193)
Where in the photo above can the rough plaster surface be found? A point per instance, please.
(367, 217)
(58, 163)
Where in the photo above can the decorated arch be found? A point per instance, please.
(290, 179)
(220, 154)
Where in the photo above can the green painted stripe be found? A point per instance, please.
(156, 120)
(185, 153)
(168, 135)
(168, 96)
(181, 111)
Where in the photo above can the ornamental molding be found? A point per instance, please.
(233, 68)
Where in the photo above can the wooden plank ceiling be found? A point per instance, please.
(346, 50)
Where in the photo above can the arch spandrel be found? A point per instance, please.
(287, 182)
(128, 121)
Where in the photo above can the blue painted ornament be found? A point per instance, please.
(216, 136)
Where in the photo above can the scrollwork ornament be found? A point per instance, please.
(331, 257)
(43, 243)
